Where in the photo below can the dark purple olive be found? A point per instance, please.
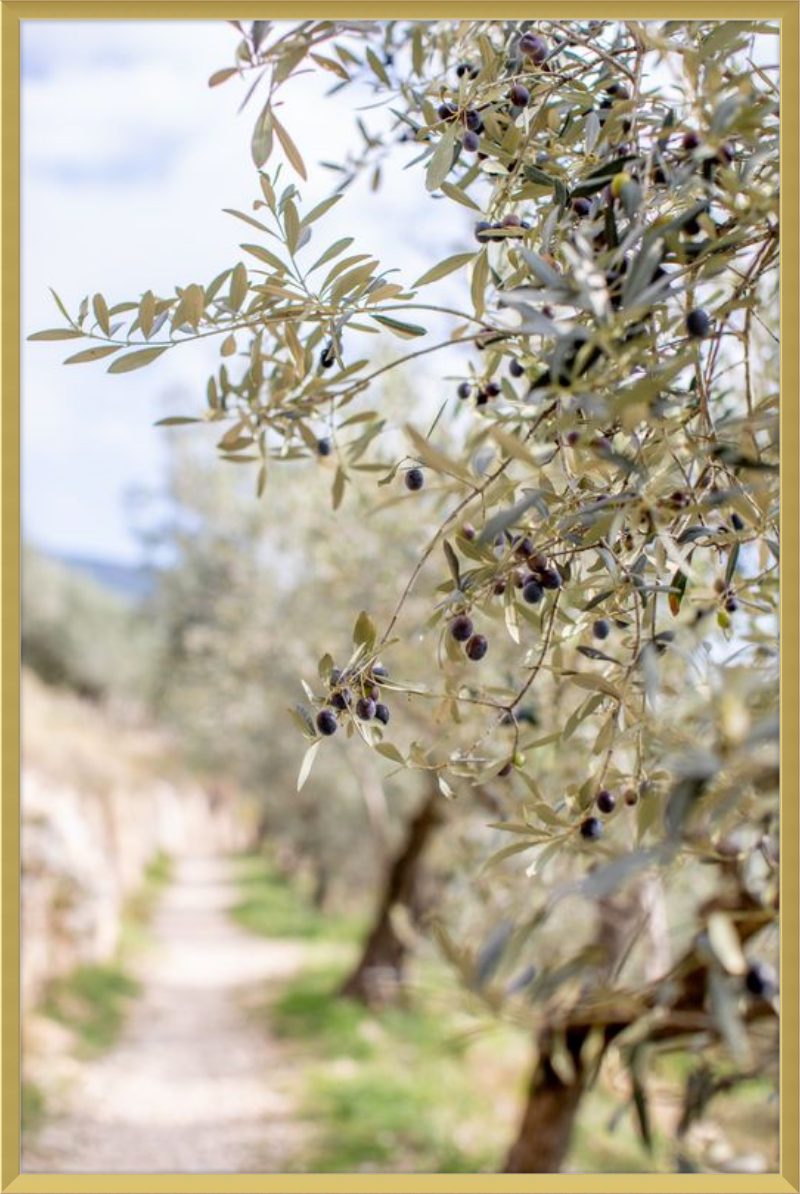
(532, 592)
(698, 323)
(605, 801)
(591, 829)
(477, 647)
(550, 578)
(326, 722)
(533, 47)
(761, 980)
(461, 628)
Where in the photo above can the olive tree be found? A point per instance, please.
(594, 505)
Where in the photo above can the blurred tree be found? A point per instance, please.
(236, 599)
(77, 634)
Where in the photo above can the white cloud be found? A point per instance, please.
(128, 159)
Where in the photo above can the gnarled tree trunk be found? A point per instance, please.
(380, 968)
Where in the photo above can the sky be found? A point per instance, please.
(128, 159)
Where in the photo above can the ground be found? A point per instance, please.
(183, 1088)
(221, 1046)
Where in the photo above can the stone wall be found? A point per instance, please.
(96, 809)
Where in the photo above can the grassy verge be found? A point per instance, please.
(91, 1001)
(394, 1092)
(271, 907)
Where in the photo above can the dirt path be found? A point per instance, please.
(195, 1083)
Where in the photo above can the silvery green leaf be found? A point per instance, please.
(506, 518)
(542, 270)
(441, 160)
(641, 272)
(591, 131)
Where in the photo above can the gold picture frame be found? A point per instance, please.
(12, 12)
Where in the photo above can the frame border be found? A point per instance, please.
(12, 12)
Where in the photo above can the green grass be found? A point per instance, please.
(142, 904)
(271, 907)
(92, 1001)
(389, 1092)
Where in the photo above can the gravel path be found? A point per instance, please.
(195, 1083)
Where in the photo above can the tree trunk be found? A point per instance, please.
(546, 1129)
(554, 1097)
(380, 968)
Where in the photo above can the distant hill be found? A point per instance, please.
(131, 581)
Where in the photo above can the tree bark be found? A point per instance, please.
(546, 1129)
(380, 969)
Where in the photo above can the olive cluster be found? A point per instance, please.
(534, 577)
(534, 50)
(483, 391)
(353, 694)
(462, 630)
(510, 225)
(541, 575)
(591, 828)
